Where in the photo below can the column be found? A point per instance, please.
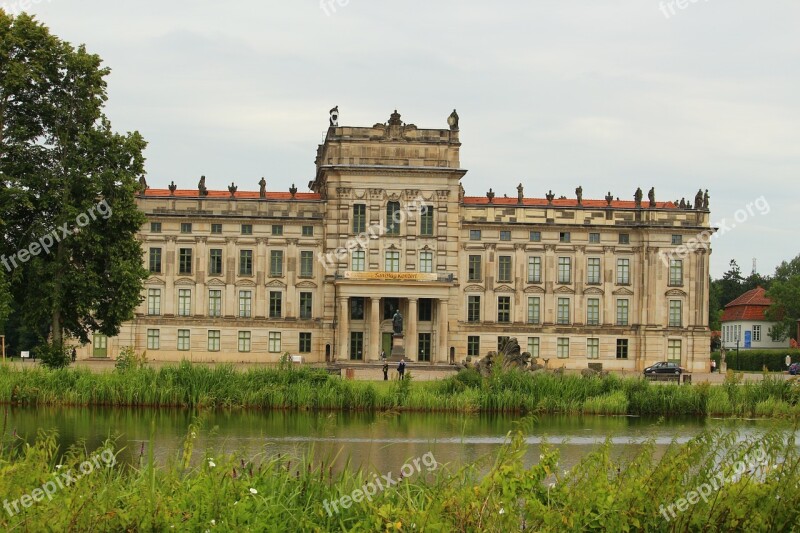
(170, 273)
(374, 330)
(520, 301)
(549, 276)
(442, 355)
(609, 277)
(199, 300)
(411, 341)
(343, 332)
(579, 281)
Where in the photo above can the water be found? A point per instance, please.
(374, 441)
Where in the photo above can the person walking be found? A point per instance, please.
(385, 370)
(713, 366)
(401, 368)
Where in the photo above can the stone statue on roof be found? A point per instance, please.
(651, 195)
(705, 200)
(579, 194)
(334, 116)
(452, 121)
(262, 188)
(638, 197)
(520, 195)
(232, 188)
(201, 186)
(142, 185)
(172, 188)
(698, 199)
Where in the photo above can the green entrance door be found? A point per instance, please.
(386, 344)
(99, 345)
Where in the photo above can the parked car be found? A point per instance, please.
(794, 369)
(664, 367)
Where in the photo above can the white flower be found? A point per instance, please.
(565, 473)
(211, 463)
(541, 457)
(194, 435)
(253, 491)
(213, 522)
(58, 466)
(502, 511)
(552, 485)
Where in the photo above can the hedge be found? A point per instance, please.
(756, 360)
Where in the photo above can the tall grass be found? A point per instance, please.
(222, 386)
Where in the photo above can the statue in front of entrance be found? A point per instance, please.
(397, 322)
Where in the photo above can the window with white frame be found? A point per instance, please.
(623, 271)
(593, 312)
(245, 304)
(215, 302)
(274, 341)
(564, 269)
(357, 262)
(562, 347)
(153, 339)
(534, 269)
(184, 339)
(213, 340)
(563, 311)
(426, 262)
(592, 348)
(756, 333)
(622, 312)
(676, 272)
(154, 301)
(593, 271)
(244, 341)
(184, 302)
(534, 307)
(392, 261)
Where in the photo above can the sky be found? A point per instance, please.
(610, 95)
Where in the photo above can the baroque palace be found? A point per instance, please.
(249, 276)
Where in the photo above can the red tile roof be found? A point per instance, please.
(749, 306)
(566, 202)
(271, 195)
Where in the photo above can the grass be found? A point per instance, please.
(190, 386)
(496, 493)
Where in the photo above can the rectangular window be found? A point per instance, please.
(593, 271)
(676, 273)
(594, 238)
(534, 270)
(674, 351)
(756, 333)
(504, 309)
(277, 230)
(623, 271)
(185, 261)
(216, 229)
(593, 312)
(184, 339)
(622, 312)
(244, 341)
(153, 339)
(392, 261)
(473, 308)
(534, 307)
(424, 347)
(426, 262)
(426, 221)
(155, 227)
(215, 302)
(473, 345)
(305, 342)
(622, 348)
(308, 231)
(359, 218)
(564, 236)
(357, 309)
(675, 318)
(474, 234)
(275, 304)
(535, 236)
(357, 345)
(306, 264)
(245, 262)
(186, 227)
(215, 261)
(213, 340)
(306, 299)
(563, 311)
(564, 269)
(247, 229)
(153, 301)
(592, 348)
(562, 348)
(276, 263)
(245, 304)
(425, 310)
(474, 271)
(184, 302)
(504, 268)
(533, 347)
(155, 260)
(358, 260)
(677, 240)
(274, 342)
(624, 238)
(505, 235)
(393, 218)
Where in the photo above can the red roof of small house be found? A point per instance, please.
(749, 306)
(239, 195)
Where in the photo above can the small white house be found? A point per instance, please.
(744, 321)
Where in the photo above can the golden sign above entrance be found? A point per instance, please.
(399, 276)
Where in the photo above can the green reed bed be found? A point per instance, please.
(186, 385)
(747, 484)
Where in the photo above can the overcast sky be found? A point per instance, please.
(608, 95)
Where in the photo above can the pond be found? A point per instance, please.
(375, 441)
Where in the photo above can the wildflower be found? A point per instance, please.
(194, 435)
(541, 457)
(58, 466)
(566, 473)
(398, 525)
(253, 491)
(502, 511)
(236, 502)
(211, 463)
(213, 522)
(552, 485)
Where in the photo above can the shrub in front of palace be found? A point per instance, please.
(757, 360)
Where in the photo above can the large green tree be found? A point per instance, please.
(784, 292)
(65, 173)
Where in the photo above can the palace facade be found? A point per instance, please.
(249, 276)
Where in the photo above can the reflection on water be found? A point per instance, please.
(374, 441)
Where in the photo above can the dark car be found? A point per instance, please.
(794, 369)
(664, 367)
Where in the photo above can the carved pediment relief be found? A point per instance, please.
(276, 283)
(593, 290)
(306, 285)
(474, 288)
(245, 283)
(153, 280)
(503, 288)
(184, 281)
(215, 282)
(534, 289)
(564, 290)
(623, 291)
(676, 292)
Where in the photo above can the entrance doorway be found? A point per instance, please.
(99, 345)
(386, 344)
(357, 345)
